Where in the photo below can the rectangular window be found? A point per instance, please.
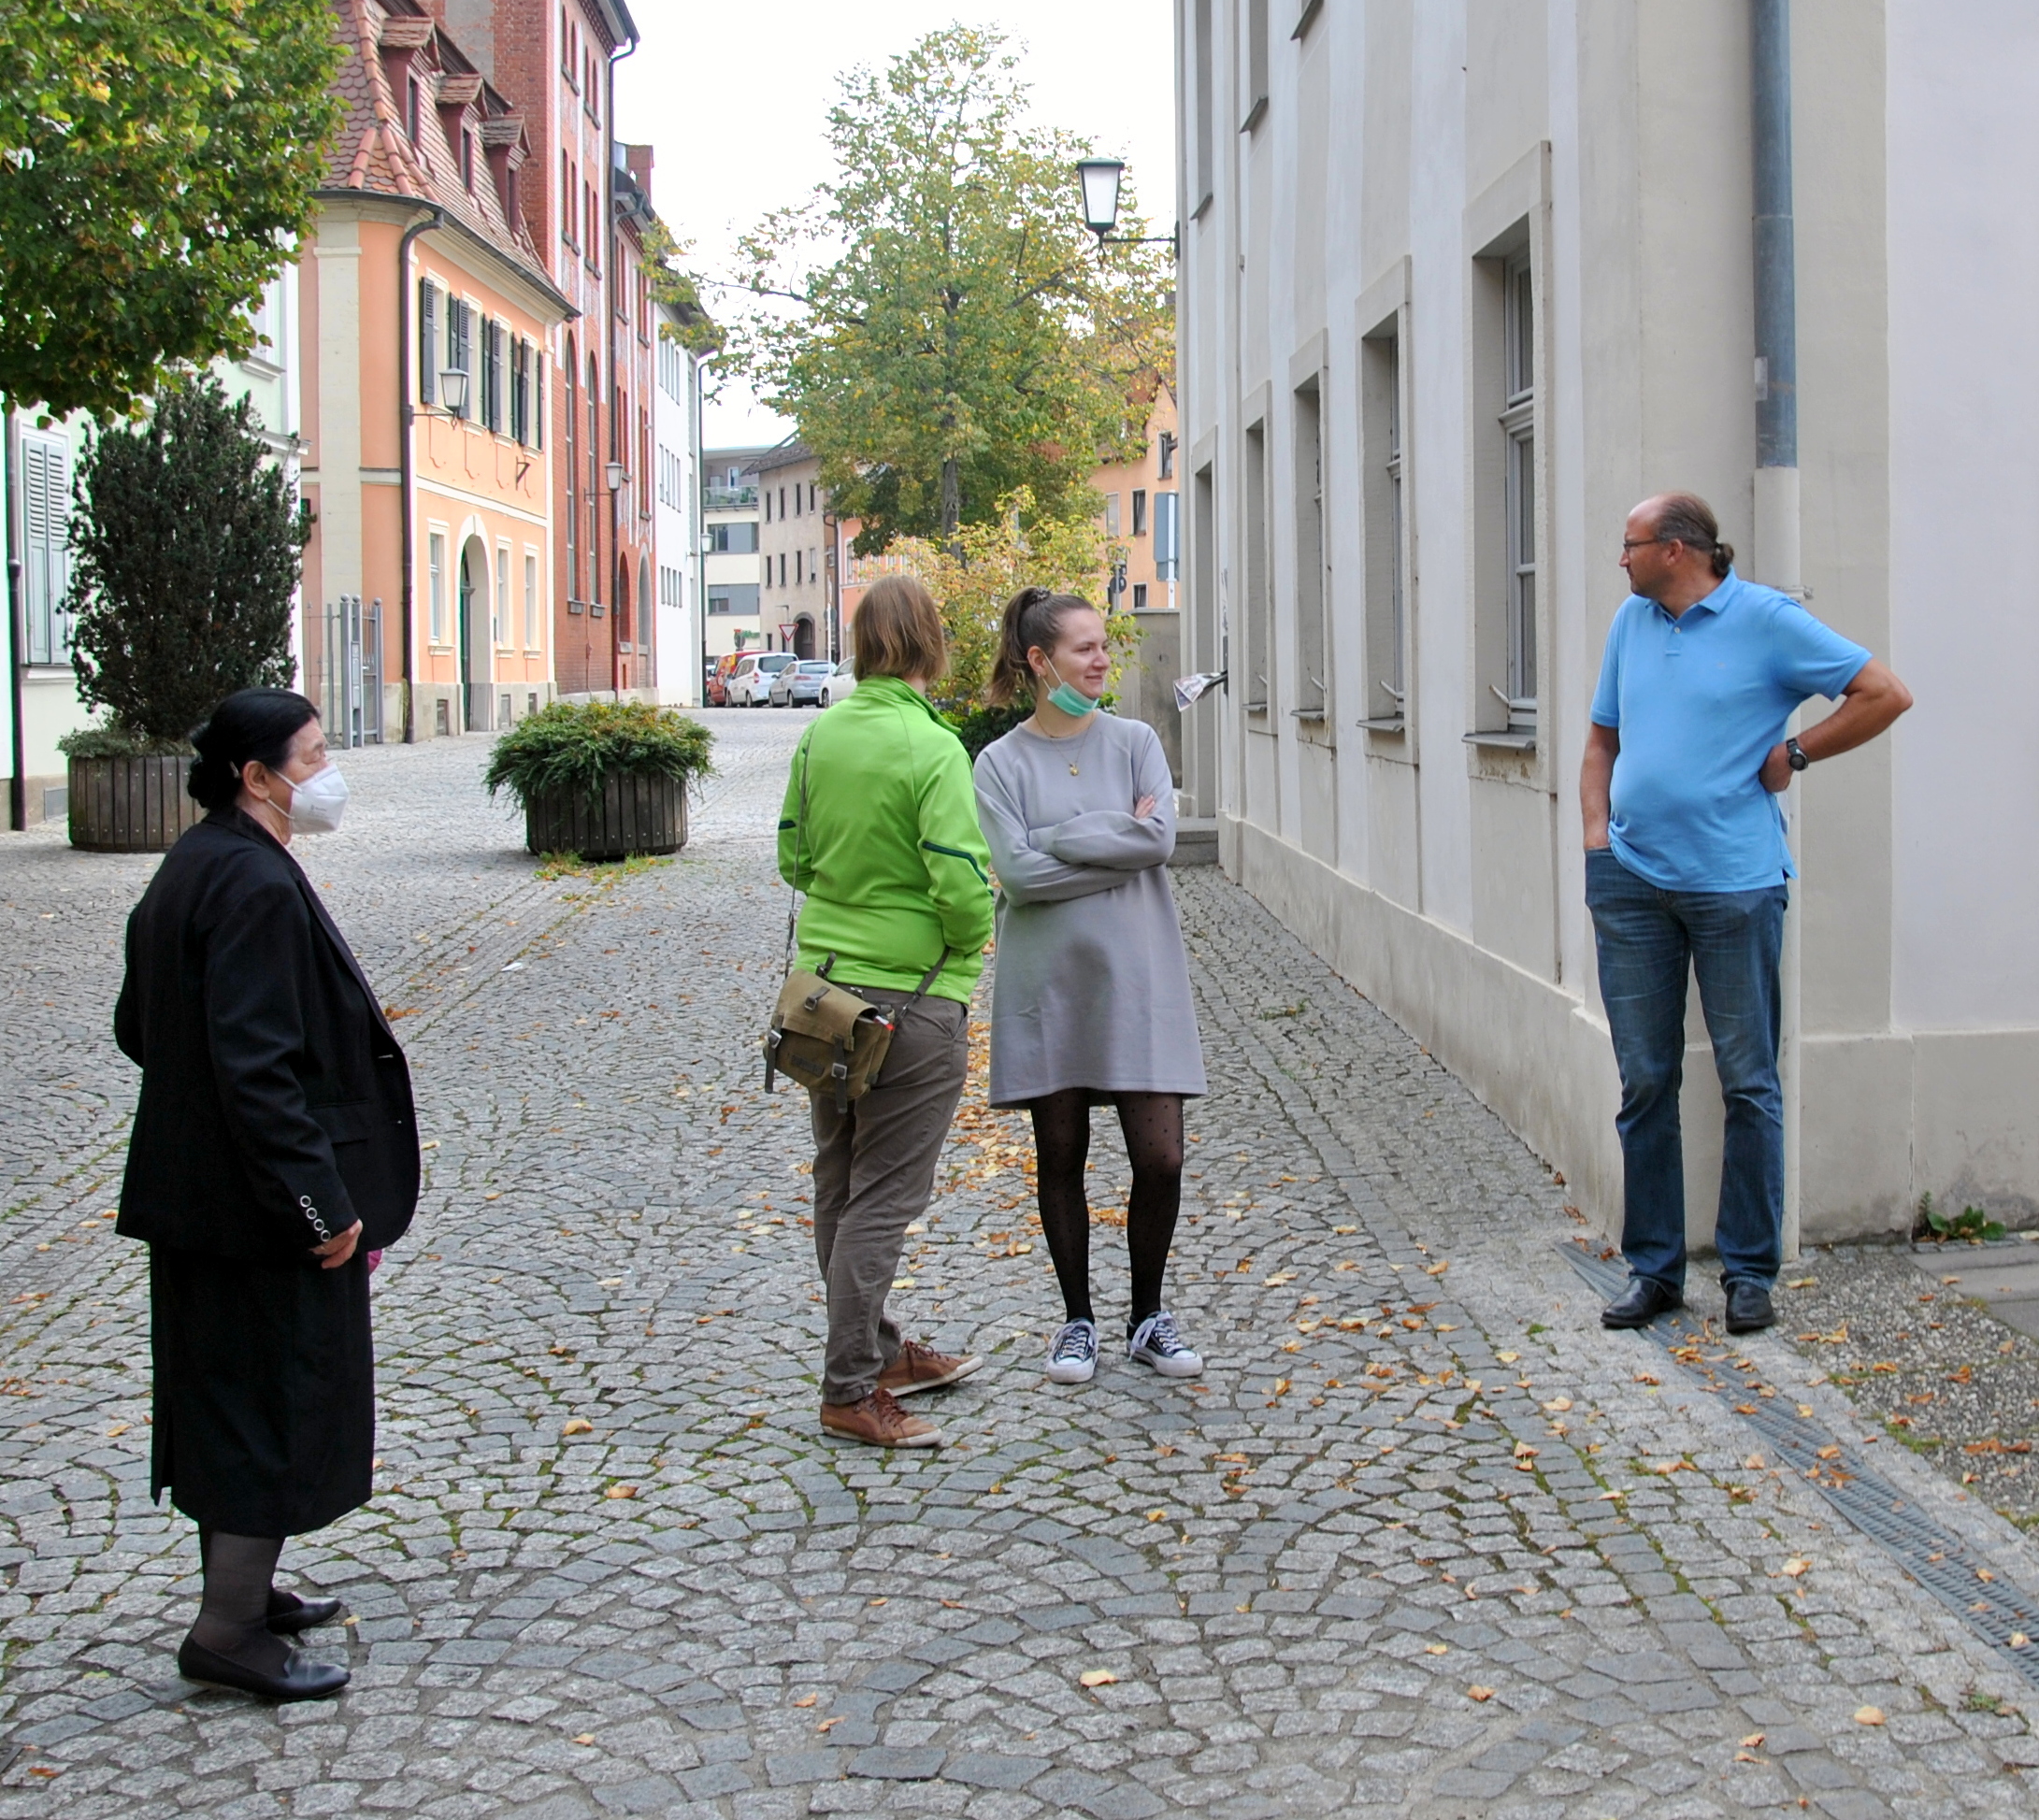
(520, 390)
(460, 346)
(1256, 16)
(1168, 536)
(1140, 597)
(467, 158)
(1518, 425)
(429, 341)
(531, 599)
(1167, 454)
(538, 397)
(566, 199)
(414, 109)
(1253, 607)
(491, 374)
(1139, 512)
(1111, 514)
(732, 597)
(45, 515)
(499, 603)
(1200, 190)
(737, 540)
(436, 589)
(797, 565)
(1312, 653)
(1383, 518)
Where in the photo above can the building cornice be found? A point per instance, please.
(490, 263)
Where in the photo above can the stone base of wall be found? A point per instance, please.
(1882, 1118)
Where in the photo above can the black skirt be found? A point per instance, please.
(264, 1390)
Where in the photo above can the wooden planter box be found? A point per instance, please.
(631, 815)
(130, 804)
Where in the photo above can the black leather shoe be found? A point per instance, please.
(1748, 1306)
(1640, 1303)
(302, 1678)
(302, 1613)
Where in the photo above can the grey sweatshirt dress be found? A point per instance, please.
(1091, 984)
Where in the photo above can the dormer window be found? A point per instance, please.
(466, 156)
(413, 109)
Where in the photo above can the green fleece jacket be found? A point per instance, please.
(891, 857)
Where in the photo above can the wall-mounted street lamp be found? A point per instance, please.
(454, 391)
(1100, 179)
(619, 477)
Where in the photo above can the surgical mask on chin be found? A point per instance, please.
(1071, 701)
(317, 804)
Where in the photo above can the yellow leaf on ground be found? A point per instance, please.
(586, 1737)
(2018, 1640)
(1507, 1358)
(1795, 1566)
(1869, 1715)
(1436, 1269)
(621, 1491)
(807, 1700)
(1097, 1677)
(1753, 1741)
(578, 1427)
(1479, 1692)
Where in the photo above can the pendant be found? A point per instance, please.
(1074, 772)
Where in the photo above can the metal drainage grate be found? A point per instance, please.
(1935, 1557)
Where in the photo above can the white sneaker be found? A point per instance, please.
(1072, 1359)
(1156, 1343)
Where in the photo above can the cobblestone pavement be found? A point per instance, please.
(1424, 1541)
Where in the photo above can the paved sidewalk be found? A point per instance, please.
(1424, 1541)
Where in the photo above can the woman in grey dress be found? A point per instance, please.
(1090, 1001)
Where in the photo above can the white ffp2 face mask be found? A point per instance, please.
(317, 804)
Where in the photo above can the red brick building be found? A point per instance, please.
(553, 59)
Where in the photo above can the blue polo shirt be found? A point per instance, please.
(1698, 701)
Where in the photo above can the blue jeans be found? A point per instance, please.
(1648, 939)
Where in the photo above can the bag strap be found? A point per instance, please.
(799, 835)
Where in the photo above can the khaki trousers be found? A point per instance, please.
(874, 1169)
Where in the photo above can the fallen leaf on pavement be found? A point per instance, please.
(586, 1737)
(1869, 1715)
(621, 1491)
(807, 1700)
(1097, 1677)
(1479, 1692)
(1753, 1741)
(578, 1427)
(1795, 1566)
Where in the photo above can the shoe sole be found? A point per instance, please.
(1751, 1327)
(1167, 1366)
(1627, 1326)
(931, 1439)
(1072, 1374)
(964, 1368)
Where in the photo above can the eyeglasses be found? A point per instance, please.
(1637, 543)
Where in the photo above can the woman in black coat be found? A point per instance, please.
(274, 1147)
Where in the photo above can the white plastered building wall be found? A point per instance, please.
(1406, 160)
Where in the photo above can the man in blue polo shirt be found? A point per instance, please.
(1685, 863)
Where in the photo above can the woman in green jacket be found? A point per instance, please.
(880, 829)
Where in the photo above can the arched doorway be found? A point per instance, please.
(476, 667)
(803, 636)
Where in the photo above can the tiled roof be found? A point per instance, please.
(387, 42)
(787, 454)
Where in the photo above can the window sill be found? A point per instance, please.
(1314, 716)
(1395, 725)
(1254, 114)
(574, 607)
(1504, 739)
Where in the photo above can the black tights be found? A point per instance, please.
(1152, 1124)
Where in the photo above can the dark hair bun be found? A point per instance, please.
(250, 726)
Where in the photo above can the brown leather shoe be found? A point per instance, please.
(879, 1421)
(921, 1367)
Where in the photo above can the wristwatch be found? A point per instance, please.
(1795, 754)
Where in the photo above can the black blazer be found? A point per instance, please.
(276, 1104)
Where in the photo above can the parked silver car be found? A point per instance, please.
(749, 683)
(840, 683)
(800, 683)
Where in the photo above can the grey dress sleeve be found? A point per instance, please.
(1026, 875)
(1112, 836)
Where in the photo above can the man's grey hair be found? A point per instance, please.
(1686, 518)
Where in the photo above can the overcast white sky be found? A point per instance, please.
(733, 99)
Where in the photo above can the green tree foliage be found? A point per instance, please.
(156, 159)
(942, 327)
(187, 544)
(671, 283)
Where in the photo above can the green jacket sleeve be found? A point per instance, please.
(789, 827)
(952, 847)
